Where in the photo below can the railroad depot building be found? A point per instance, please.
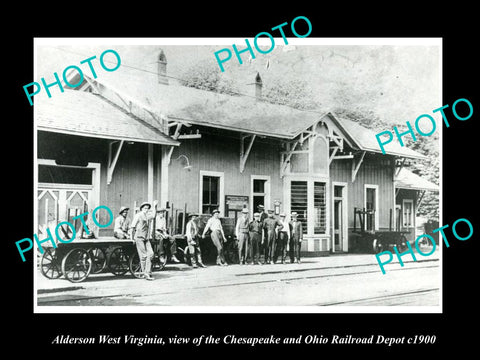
(131, 136)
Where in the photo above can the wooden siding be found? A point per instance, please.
(129, 181)
(221, 154)
(373, 171)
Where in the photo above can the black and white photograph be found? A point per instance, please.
(219, 175)
(218, 180)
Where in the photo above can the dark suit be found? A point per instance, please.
(271, 224)
(296, 236)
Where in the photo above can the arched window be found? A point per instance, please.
(320, 155)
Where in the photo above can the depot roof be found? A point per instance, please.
(408, 180)
(86, 114)
(245, 114)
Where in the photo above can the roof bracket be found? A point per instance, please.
(112, 159)
(332, 155)
(420, 198)
(245, 152)
(356, 167)
(287, 156)
(399, 167)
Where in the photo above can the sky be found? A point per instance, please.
(395, 82)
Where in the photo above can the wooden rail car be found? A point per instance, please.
(377, 240)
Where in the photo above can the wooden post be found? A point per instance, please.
(354, 219)
(184, 220)
(390, 221)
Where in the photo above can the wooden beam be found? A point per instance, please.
(337, 140)
(399, 168)
(419, 201)
(287, 158)
(168, 155)
(244, 153)
(113, 161)
(342, 157)
(93, 85)
(356, 167)
(177, 131)
(150, 173)
(335, 149)
(189, 136)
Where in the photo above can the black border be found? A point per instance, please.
(455, 25)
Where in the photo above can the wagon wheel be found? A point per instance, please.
(425, 244)
(99, 259)
(134, 266)
(377, 246)
(76, 265)
(50, 265)
(118, 261)
(401, 243)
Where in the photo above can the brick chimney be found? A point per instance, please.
(162, 68)
(258, 86)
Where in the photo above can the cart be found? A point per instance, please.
(77, 259)
(377, 240)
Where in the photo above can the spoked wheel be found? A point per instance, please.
(50, 265)
(99, 259)
(118, 261)
(135, 267)
(426, 246)
(401, 243)
(377, 246)
(76, 265)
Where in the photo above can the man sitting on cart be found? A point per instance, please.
(164, 237)
(122, 224)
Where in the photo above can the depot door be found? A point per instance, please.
(64, 192)
(339, 222)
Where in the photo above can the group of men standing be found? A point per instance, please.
(139, 230)
(275, 236)
(264, 232)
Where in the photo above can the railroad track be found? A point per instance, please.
(231, 280)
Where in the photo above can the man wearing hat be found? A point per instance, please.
(296, 238)
(255, 230)
(272, 225)
(283, 238)
(140, 226)
(122, 224)
(217, 235)
(166, 240)
(243, 237)
(263, 215)
(193, 242)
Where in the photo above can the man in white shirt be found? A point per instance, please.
(217, 235)
(122, 224)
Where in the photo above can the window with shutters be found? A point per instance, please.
(299, 201)
(319, 207)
